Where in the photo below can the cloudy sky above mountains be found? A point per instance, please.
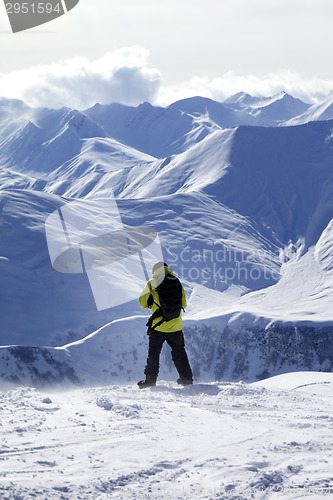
(134, 51)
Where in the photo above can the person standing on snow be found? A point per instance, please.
(160, 329)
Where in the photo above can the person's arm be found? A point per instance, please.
(145, 300)
(184, 301)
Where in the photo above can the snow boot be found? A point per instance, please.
(146, 383)
(183, 381)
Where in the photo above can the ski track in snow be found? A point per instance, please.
(217, 440)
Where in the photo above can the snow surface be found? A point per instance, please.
(267, 440)
(316, 112)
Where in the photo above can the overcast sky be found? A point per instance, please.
(161, 50)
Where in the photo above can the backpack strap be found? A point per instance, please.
(156, 314)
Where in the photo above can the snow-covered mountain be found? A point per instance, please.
(157, 131)
(316, 112)
(216, 113)
(268, 111)
(243, 213)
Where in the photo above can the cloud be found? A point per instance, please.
(121, 76)
(125, 76)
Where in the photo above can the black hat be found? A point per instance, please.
(158, 265)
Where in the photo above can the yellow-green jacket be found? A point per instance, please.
(173, 325)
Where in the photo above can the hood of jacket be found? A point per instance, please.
(159, 274)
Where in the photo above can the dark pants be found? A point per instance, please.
(178, 353)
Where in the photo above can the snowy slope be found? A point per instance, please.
(242, 99)
(222, 316)
(92, 171)
(157, 131)
(49, 149)
(13, 113)
(320, 111)
(23, 215)
(280, 177)
(269, 111)
(262, 441)
(216, 112)
(233, 275)
(279, 108)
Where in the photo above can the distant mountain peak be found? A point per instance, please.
(241, 98)
(317, 112)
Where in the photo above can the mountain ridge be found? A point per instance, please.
(244, 216)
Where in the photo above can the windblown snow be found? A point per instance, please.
(271, 439)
